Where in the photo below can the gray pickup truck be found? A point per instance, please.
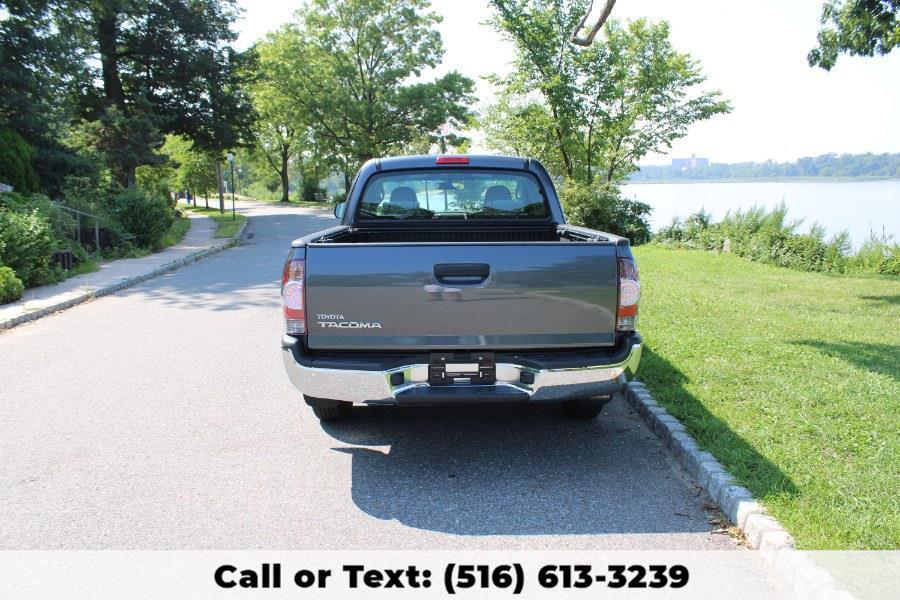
(455, 279)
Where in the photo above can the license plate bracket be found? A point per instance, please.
(461, 368)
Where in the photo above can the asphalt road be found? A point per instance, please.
(161, 418)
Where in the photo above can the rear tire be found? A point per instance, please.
(329, 410)
(332, 413)
(584, 408)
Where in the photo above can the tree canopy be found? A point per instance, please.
(856, 27)
(355, 69)
(592, 114)
(281, 130)
(39, 63)
(165, 66)
(130, 70)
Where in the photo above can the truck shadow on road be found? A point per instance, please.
(517, 470)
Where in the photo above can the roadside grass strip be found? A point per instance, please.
(276, 200)
(226, 227)
(791, 380)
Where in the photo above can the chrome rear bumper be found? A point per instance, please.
(363, 386)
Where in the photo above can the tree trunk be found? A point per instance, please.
(106, 17)
(285, 184)
(567, 161)
(219, 185)
(611, 172)
(590, 155)
(127, 174)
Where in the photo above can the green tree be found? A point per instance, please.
(523, 126)
(160, 66)
(594, 113)
(856, 27)
(15, 162)
(280, 133)
(352, 67)
(194, 171)
(39, 61)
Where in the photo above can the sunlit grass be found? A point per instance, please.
(301, 203)
(176, 232)
(791, 379)
(226, 224)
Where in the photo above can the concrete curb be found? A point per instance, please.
(762, 531)
(123, 283)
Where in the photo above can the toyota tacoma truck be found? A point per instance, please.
(456, 280)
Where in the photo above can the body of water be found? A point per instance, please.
(856, 206)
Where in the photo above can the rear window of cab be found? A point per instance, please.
(428, 194)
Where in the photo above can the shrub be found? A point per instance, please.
(309, 187)
(145, 217)
(890, 265)
(804, 253)
(603, 209)
(56, 163)
(61, 222)
(877, 255)
(85, 195)
(11, 287)
(768, 237)
(16, 167)
(263, 191)
(27, 241)
(155, 180)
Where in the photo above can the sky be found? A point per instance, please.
(782, 108)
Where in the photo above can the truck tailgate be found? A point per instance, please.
(460, 296)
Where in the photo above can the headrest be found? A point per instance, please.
(404, 197)
(498, 197)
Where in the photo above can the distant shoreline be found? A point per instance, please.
(765, 180)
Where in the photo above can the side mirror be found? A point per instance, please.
(339, 209)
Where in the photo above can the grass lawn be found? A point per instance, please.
(176, 232)
(792, 381)
(225, 226)
(302, 203)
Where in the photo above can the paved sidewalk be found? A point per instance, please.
(116, 275)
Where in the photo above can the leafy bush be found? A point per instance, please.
(11, 287)
(877, 255)
(767, 237)
(56, 163)
(16, 168)
(145, 217)
(263, 191)
(26, 239)
(603, 209)
(155, 180)
(62, 223)
(309, 187)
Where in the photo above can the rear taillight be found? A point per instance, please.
(629, 295)
(293, 296)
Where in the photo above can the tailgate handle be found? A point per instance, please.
(462, 272)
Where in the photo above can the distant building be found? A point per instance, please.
(686, 164)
